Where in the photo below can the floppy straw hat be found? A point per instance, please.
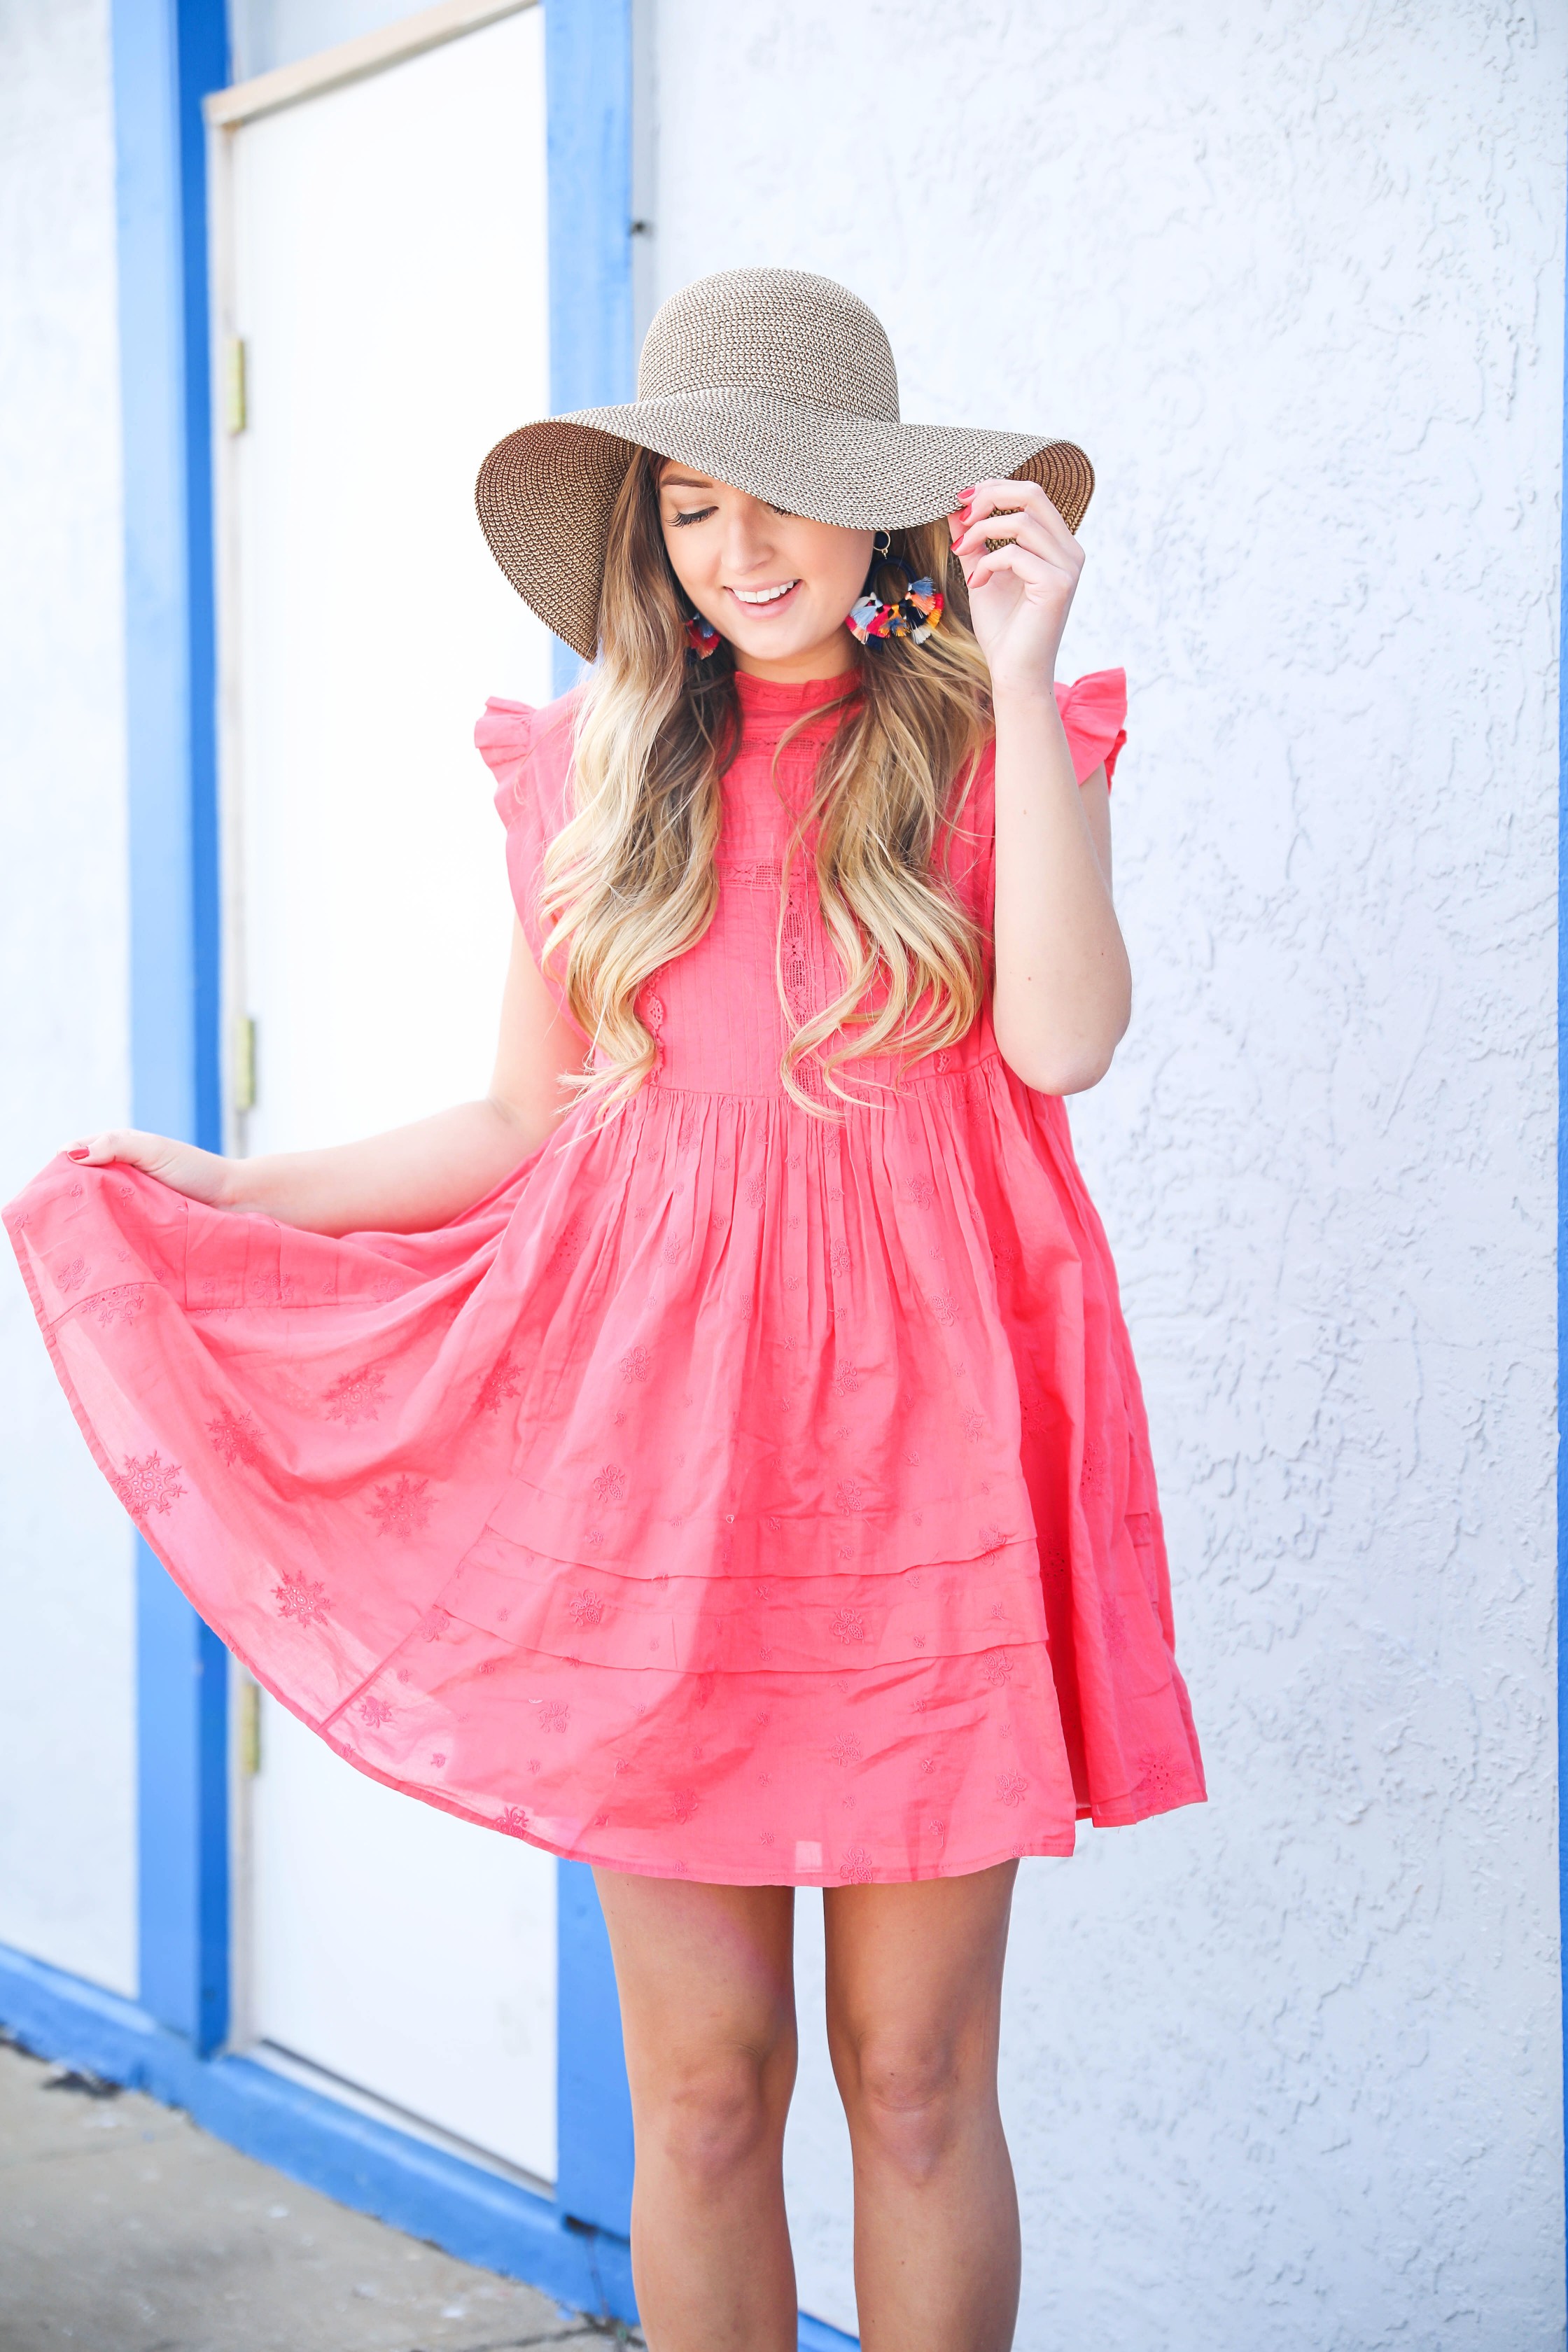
(775, 381)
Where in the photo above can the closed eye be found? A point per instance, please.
(700, 514)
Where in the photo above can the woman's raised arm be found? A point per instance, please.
(1063, 990)
(412, 1178)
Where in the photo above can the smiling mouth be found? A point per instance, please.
(753, 597)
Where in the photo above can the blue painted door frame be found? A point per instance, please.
(588, 137)
(588, 82)
(1562, 1225)
(167, 54)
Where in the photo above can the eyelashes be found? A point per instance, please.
(700, 514)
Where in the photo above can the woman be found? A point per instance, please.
(718, 1454)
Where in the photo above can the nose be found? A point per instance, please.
(748, 540)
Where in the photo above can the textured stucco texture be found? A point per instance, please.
(66, 1733)
(1284, 2070)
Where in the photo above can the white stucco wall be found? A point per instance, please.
(1283, 2071)
(67, 1731)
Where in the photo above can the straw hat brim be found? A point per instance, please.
(546, 493)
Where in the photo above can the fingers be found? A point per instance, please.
(1008, 500)
(113, 1143)
(1034, 571)
(1014, 531)
(1046, 536)
(1018, 512)
(997, 498)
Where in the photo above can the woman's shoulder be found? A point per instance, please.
(508, 731)
(519, 744)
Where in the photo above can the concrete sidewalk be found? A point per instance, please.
(124, 2229)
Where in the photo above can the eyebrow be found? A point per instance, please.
(683, 482)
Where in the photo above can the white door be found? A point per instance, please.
(382, 258)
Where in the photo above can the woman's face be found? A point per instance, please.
(777, 586)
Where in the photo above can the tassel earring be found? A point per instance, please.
(700, 636)
(912, 612)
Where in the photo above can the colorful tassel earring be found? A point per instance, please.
(914, 612)
(700, 636)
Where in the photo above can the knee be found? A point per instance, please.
(712, 2112)
(907, 2100)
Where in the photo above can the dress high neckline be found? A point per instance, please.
(769, 709)
(768, 698)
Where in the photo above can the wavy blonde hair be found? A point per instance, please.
(630, 882)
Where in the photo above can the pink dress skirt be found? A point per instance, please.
(734, 1494)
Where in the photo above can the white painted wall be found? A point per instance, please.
(1284, 2071)
(67, 1731)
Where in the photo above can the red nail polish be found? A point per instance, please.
(76, 1151)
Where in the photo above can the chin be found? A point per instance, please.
(804, 635)
(780, 649)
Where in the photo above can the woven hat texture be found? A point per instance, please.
(776, 381)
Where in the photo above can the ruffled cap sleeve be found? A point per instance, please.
(1094, 716)
(529, 753)
(504, 738)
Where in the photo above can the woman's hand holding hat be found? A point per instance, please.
(1021, 564)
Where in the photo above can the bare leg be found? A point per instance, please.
(707, 1984)
(914, 1993)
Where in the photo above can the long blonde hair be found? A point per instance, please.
(630, 882)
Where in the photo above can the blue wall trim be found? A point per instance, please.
(588, 137)
(474, 2214)
(815, 2336)
(593, 2107)
(166, 54)
(1563, 1235)
(366, 2165)
(181, 1812)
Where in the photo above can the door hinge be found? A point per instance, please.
(244, 1062)
(234, 409)
(249, 1727)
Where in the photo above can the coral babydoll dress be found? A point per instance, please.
(733, 1494)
